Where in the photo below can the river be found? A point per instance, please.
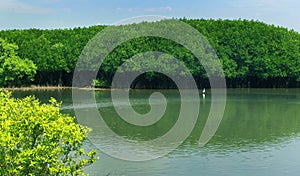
(259, 133)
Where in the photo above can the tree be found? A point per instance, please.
(37, 139)
(250, 51)
(14, 71)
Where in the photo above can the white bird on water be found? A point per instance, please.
(203, 91)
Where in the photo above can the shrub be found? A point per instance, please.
(37, 139)
(99, 83)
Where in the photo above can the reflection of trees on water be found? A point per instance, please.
(253, 118)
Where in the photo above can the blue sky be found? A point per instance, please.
(74, 13)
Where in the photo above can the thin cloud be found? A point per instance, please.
(159, 9)
(154, 9)
(126, 9)
(49, 1)
(21, 7)
(261, 3)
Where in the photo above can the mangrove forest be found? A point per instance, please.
(252, 53)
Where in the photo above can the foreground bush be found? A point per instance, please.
(37, 139)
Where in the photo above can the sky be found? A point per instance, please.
(49, 14)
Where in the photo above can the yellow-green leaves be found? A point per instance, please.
(36, 139)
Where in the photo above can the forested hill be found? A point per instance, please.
(253, 54)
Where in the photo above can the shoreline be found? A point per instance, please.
(36, 88)
(49, 88)
(93, 88)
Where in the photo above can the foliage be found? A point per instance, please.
(14, 71)
(252, 53)
(36, 139)
(100, 83)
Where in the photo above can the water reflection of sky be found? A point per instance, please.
(273, 160)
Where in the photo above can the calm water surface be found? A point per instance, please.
(259, 134)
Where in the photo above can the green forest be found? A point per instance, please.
(252, 53)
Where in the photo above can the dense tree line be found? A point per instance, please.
(253, 54)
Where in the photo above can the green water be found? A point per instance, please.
(259, 133)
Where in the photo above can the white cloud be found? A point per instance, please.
(159, 9)
(126, 9)
(262, 3)
(49, 1)
(21, 7)
(153, 9)
(277, 12)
